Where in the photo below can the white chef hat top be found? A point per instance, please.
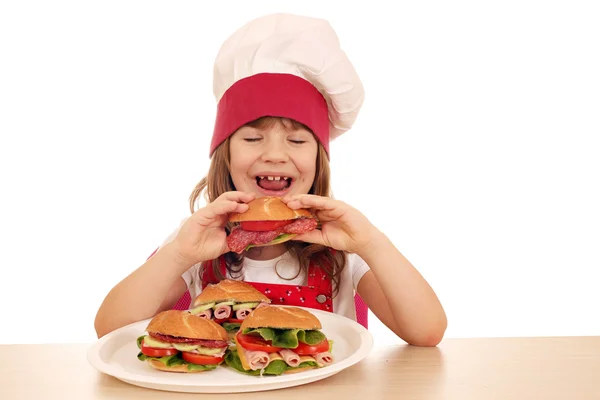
(290, 66)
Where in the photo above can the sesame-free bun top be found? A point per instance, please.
(281, 318)
(269, 208)
(183, 324)
(230, 290)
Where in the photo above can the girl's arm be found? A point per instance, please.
(399, 296)
(157, 284)
(393, 289)
(153, 287)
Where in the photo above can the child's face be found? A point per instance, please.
(274, 161)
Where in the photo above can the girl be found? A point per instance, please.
(284, 90)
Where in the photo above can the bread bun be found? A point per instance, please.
(281, 318)
(175, 368)
(183, 324)
(269, 208)
(230, 290)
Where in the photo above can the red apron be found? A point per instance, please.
(316, 294)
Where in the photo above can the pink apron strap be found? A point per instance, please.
(208, 273)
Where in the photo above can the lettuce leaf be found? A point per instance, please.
(176, 359)
(231, 326)
(197, 367)
(287, 338)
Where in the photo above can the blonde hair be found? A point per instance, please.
(218, 181)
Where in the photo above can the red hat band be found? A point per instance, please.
(275, 95)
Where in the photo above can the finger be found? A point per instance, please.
(327, 215)
(324, 207)
(314, 236)
(216, 209)
(290, 198)
(316, 202)
(237, 196)
(225, 248)
(228, 202)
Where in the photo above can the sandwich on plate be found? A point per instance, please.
(268, 221)
(276, 340)
(178, 341)
(228, 303)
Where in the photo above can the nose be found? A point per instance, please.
(274, 151)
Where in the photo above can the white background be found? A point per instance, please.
(476, 150)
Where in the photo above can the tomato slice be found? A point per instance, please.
(304, 349)
(256, 343)
(263, 226)
(156, 352)
(200, 359)
(233, 320)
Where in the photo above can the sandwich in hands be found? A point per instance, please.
(268, 221)
(178, 341)
(274, 340)
(228, 303)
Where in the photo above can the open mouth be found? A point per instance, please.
(274, 183)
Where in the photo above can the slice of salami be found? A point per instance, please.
(300, 225)
(177, 339)
(238, 239)
(265, 237)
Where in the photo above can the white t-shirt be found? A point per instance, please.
(288, 267)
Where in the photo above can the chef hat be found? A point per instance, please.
(290, 66)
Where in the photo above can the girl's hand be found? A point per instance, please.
(343, 227)
(202, 237)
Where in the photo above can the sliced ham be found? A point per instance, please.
(257, 359)
(243, 313)
(205, 314)
(325, 358)
(223, 312)
(292, 359)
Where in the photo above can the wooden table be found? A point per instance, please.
(482, 369)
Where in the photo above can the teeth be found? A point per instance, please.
(274, 178)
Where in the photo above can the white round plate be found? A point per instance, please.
(116, 354)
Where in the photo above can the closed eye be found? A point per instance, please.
(298, 141)
(251, 139)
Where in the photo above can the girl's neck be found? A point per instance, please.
(266, 252)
